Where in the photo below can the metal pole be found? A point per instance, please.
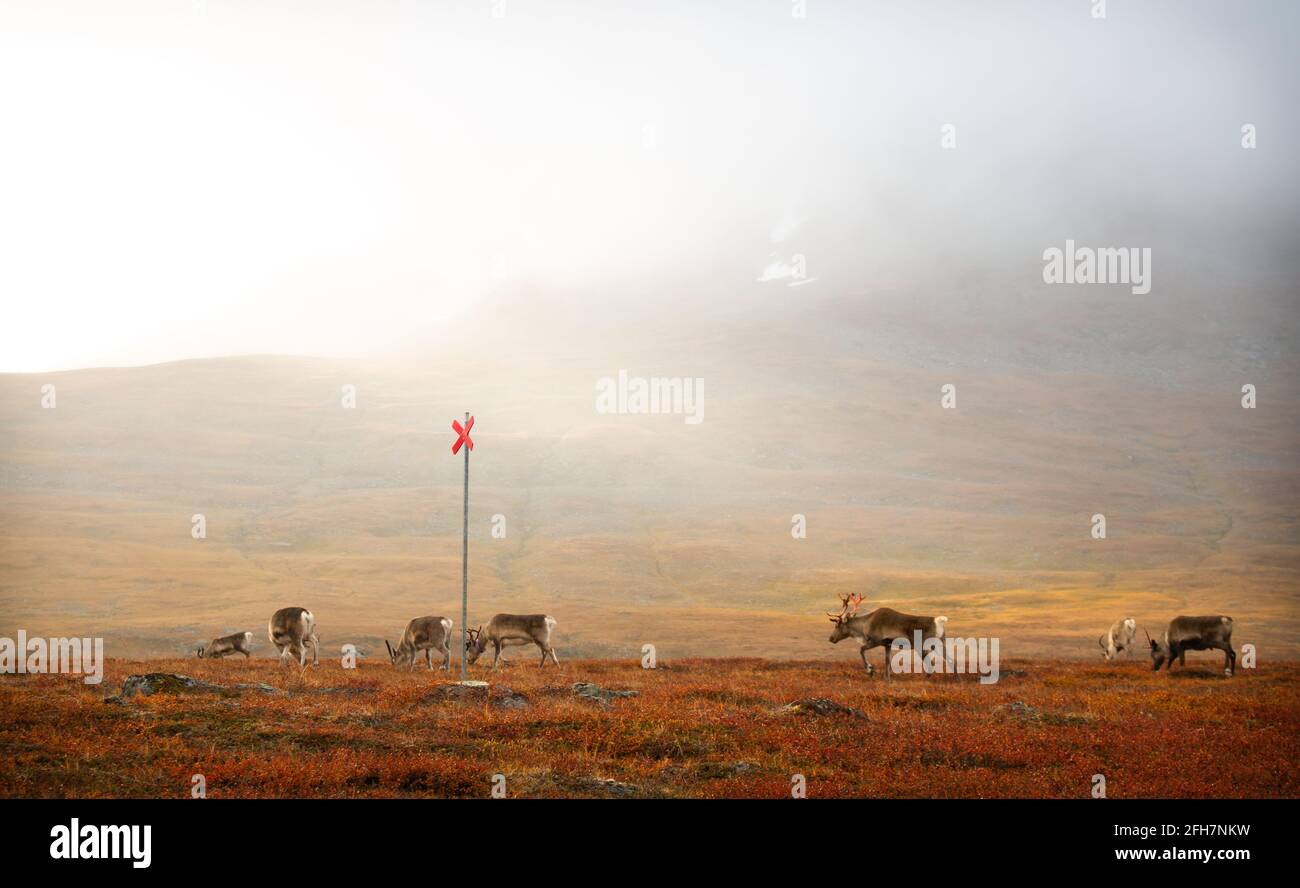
(464, 567)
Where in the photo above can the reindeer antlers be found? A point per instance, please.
(835, 618)
(850, 602)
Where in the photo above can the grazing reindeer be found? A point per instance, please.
(240, 642)
(505, 630)
(880, 628)
(1118, 638)
(426, 634)
(292, 629)
(1194, 634)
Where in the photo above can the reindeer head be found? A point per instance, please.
(399, 656)
(1159, 652)
(849, 602)
(474, 644)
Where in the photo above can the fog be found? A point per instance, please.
(189, 179)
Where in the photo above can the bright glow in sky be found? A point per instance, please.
(184, 179)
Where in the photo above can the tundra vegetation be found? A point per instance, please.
(697, 728)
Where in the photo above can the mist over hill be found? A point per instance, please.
(635, 528)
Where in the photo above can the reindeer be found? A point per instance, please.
(240, 642)
(1118, 638)
(426, 634)
(292, 629)
(1194, 634)
(505, 630)
(880, 628)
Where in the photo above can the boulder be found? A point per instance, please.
(165, 683)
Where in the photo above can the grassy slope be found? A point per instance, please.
(633, 529)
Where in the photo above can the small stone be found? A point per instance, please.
(505, 698)
(596, 692)
(821, 706)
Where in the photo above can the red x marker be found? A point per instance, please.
(464, 435)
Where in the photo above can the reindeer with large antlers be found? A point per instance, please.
(880, 627)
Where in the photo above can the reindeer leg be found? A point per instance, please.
(496, 653)
(1182, 658)
(554, 659)
(1229, 659)
(862, 651)
(446, 656)
(543, 665)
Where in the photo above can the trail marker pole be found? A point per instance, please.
(464, 438)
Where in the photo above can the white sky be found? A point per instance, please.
(184, 179)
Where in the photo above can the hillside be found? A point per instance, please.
(632, 528)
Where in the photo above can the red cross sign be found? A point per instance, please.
(463, 434)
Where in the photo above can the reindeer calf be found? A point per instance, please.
(239, 643)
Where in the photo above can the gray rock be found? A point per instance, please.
(821, 706)
(613, 787)
(723, 770)
(165, 683)
(505, 698)
(596, 692)
(1022, 709)
(476, 691)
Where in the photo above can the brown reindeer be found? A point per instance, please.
(506, 630)
(880, 627)
(1194, 634)
(239, 643)
(291, 630)
(426, 634)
